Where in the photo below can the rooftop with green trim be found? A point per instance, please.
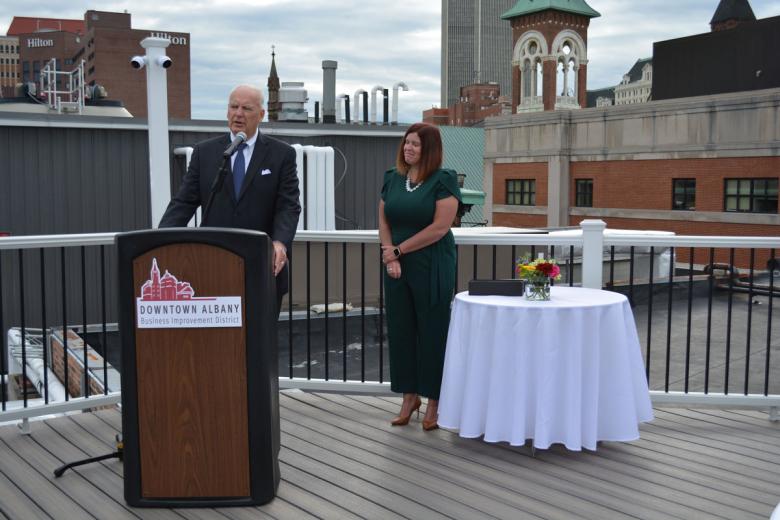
(524, 7)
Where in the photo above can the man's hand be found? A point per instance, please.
(280, 256)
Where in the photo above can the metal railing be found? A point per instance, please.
(703, 308)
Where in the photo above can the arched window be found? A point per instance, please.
(531, 56)
(568, 49)
(566, 83)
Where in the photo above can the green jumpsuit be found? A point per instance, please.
(418, 303)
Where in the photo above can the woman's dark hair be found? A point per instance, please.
(431, 152)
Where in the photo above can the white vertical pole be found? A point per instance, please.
(157, 113)
(592, 252)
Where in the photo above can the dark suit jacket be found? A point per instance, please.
(268, 201)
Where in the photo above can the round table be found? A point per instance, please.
(568, 370)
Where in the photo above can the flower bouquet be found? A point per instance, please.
(537, 275)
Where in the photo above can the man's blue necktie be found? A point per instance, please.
(239, 169)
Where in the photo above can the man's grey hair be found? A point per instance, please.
(254, 89)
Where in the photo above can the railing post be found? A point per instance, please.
(592, 252)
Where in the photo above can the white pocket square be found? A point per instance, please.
(265, 172)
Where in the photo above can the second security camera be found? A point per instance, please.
(164, 62)
(137, 62)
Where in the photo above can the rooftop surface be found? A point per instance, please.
(340, 458)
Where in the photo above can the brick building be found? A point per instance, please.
(476, 102)
(700, 165)
(9, 65)
(106, 42)
(696, 166)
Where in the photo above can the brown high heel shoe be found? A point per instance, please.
(403, 420)
(431, 424)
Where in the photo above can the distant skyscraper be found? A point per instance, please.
(476, 46)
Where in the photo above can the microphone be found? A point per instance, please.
(240, 138)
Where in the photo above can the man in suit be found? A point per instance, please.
(260, 192)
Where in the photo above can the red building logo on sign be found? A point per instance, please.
(166, 287)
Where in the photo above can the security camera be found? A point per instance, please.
(164, 62)
(138, 62)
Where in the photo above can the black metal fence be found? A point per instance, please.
(705, 325)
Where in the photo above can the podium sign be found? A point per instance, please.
(200, 413)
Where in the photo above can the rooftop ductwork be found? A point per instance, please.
(358, 93)
(373, 116)
(402, 86)
(329, 91)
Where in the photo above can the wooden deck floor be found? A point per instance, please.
(340, 458)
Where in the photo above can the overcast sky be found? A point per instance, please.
(375, 42)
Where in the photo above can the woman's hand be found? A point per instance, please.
(394, 269)
(387, 254)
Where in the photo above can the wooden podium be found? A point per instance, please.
(200, 405)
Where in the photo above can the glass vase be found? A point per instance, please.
(538, 291)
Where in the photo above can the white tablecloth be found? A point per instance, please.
(565, 371)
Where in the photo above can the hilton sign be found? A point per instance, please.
(39, 42)
(175, 40)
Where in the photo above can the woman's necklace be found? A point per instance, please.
(409, 186)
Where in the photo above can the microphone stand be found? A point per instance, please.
(216, 186)
(118, 454)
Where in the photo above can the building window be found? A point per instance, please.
(521, 192)
(684, 194)
(751, 195)
(583, 193)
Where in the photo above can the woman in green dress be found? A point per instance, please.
(417, 208)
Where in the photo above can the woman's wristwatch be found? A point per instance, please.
(397, 251)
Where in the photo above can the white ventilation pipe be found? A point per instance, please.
(338, 110)
(355, 98)
(372, 116)
(299, 166)
(402, 85)
(318, 192)
(341, 117)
